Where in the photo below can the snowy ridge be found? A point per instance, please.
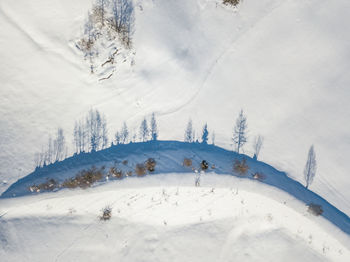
(169, 156)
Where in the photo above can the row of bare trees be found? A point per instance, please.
(239, 139)
(239, 136)
(146, 132)
(55, 150)
(91, 134)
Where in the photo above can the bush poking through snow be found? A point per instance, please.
(240, 167)
(85, 178)
(150, 164)
(187, 162)
(259, 176)
(140, 169)
(114, 172)
(204, 165)
(231, 2)
(106, 213)
(50, 185)
(315, 209)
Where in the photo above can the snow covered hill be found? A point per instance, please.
(165, 218)
(121, 161)
(284, 62)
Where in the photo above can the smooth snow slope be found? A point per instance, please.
(284, 62)
(166, 218)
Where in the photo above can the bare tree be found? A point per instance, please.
(123, 18)
(154, 128)
(59, 146)
(239, 135)
(310, 167)
(90, 32)
(104, 132)
(124, 134)
(39, 158)
(213, 137)
(117, 138)
(144, 131)
(80, 137)
(101, 6)
(49, 152)
(96, 127)
(205, 134)
(189, 132)
(258, 143)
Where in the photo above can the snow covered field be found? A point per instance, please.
(166, 218)
(284, 62)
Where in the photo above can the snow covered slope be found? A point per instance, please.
(284, 62)
(169, 158)
(166, 218)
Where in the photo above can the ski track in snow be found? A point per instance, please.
(36, 43)
(216, 62)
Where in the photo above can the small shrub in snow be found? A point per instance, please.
(106, 213)
(49, 185)
(204, 165)
(240, 167)
(129, 173)
(187, 162)
(140, 169)
(125, 162)
(114, 172)
(231, 2)
(85, 178)
(150, 164)
(315, 209)
(259, 176)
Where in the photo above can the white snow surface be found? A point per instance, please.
(165, 218)
(284, 62)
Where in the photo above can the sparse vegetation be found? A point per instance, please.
(107, 21)
(150, 164)
(315, 209)
(187, 162)
(259, 176)
(204, 165)
(241, 167)
(115, 172)
(106, 213)
(50, 185)
(140, 169)
(85, 178)
(231, 2)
